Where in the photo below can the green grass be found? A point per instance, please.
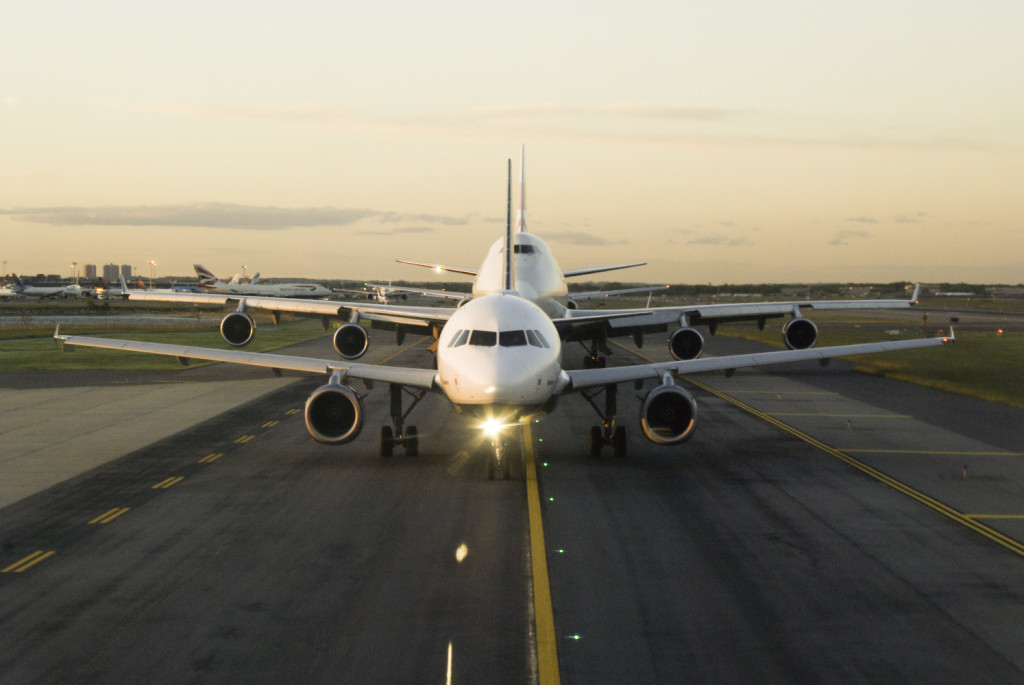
(979, 364)
(46, 353)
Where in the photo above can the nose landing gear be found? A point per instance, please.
(506, 448)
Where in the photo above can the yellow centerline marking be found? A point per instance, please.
(547, 646)
(843, 416)
(244, 439)
(292, 412)
(933, 504)
(270, 424)
(210, 458)
(28, 562)
(934, 452)
(109, 516)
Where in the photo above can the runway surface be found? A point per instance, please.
(826, 531)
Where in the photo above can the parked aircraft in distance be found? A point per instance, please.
(500, 361)
(210, 283)
(19, 288)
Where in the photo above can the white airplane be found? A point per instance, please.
(499, 360)
(19, 288)
(210, 283)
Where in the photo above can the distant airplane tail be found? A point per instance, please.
(521, 212)
(206, 279)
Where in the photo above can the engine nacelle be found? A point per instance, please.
(351, 341)
(685, 343)
(238, 329)
(668, 415)
(334, 414)
(799, 333)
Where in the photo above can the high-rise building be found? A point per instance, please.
(110, 273)
(90, 272)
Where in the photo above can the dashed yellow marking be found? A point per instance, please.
(292, 412)
(168, 482)
(109, 516)
(270, 424)
(210, 458)
(28, 562)
(244, 439)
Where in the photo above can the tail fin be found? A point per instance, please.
(206, 279)
(521, 212)
(508, 233)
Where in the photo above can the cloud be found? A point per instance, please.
(223, 215)
(721, 240)
(910, 219)
(862, 219)
(580, 238)
(846, 234)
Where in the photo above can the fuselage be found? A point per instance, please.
(499, 351)
(536, 275)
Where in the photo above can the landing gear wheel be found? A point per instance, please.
(387, 441)
(596, 441)
(412, 442)
(619, 442)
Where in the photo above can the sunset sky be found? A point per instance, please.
(724, 142)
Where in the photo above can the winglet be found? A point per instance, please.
(917, 293)
(951, 338)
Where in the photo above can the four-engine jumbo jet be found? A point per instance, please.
(499, 359)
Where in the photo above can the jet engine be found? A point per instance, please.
(799, 333)
(668, 415)
(351, 341)
(237, 329)
(334, 414)
(685, 343)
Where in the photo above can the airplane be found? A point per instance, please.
(210, 283)
(500, 361)
(73, 290)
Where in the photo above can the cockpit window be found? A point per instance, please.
(483, 338)
(459, 339)
(523, 249)
(536, 339)
(512, 338)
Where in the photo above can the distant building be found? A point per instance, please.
(90, 272)
(110, 273)
(126, 271)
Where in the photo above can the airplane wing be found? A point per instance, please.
(441, 267)
(595, 294)
(567, 273)
(658, 318)
(397, 314)
(586, 378)
(411, 377)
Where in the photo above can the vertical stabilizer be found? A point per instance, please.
(507, 280)
(521, 212)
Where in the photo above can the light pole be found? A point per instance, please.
(152, 273)
(74, 271)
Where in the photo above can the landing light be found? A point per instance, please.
(492, 427)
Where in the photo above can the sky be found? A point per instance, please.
(726, 142)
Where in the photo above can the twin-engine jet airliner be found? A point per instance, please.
(499, 359)
(210, 283)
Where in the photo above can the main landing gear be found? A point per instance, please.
(507, 447)
(607, 433)
(397, 433)
(594, 358)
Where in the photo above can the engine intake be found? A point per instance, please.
(668, 415)
(238, 329)
(799, 333)
(334, 414)
(351, 341)
(685, 343)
